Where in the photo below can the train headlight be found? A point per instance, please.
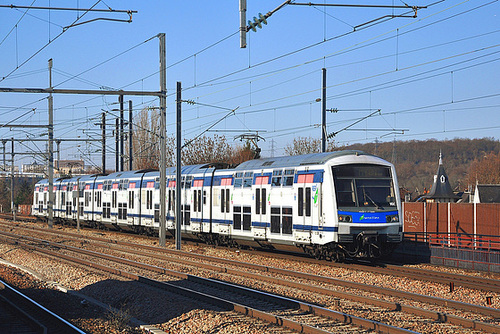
(345, 218)
(392, 218)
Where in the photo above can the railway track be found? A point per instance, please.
(451, 279)
(448, 278)
(22, 315)
(292, 314)
(118, 246)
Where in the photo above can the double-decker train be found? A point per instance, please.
(332, 205)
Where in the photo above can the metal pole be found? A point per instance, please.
(130, 165)
(120, 99)
(51, 151)
(178, 213)
(103, 128)
(4, 167)
(162, 233)
(323, 113)
(243, 24)
(78, 205)
(12, 208)
(117, 147)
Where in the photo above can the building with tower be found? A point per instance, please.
(441, 191)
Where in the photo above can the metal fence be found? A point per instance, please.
(477, 252)
(462, 235)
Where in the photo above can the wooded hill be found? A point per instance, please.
(417, 161)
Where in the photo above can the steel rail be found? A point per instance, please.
(478, 283)
(438, 316)
(370, 288)
(281, 321)
(41, 318)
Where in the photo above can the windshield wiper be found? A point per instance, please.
(365, 195)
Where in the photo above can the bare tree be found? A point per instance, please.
(146, 143)
(485, 170)
(306, 145)
(206, 149)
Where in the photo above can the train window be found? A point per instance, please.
(247, 182)
(238, 182)
(157, 213)
(195, 198)
(227, 200)
(364, 186)
(275, 219)
(36, 197)
(248, 174)
(169, 201)
(257, 201)
(263, 201)
(277, 172)
(286, 220)
(200, 199)
(247, 218)
(308, 201)
(237, 217)
(222, 201)
(204, 197)
(239, 174)
(114, 199)
(131, 199)
(276, 181)
(288, 178)
(300, 201)
(189, 181)
(106, 211)
(260, 201)
(149, 199)
(187, 214)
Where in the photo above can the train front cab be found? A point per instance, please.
(367, 205)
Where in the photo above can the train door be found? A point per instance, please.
(261, 193)
(147, 209)
(305, 199)
(132, 216)
(88, 208)
(186, 202)
(98, 202)
(226, 215)
(68, 188)
(171, 203)
(197, 210)
(114, 201)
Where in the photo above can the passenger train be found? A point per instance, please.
(331, 205)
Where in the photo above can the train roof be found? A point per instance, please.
(296, 160)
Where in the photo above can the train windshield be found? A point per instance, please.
(364, 186)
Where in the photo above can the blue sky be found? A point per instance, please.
(433, 76)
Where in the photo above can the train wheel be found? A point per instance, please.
(339, 256)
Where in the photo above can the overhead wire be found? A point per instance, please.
(44, 46)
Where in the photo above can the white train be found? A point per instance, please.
(332, 205)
